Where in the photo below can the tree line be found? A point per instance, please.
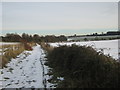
(97, 34)
(13, 37)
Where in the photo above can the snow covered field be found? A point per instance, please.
(26, 71)
(108, 47)
(8, 43)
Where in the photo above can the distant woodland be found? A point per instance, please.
(109, 33)
(14, 37)
(32, 38)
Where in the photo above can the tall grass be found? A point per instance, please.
(8, 52)
(46, 46)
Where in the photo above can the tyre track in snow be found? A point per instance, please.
(25, 71)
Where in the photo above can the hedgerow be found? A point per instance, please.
(83, 67)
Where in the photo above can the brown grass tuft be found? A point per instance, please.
(46, 46)
(9, 52)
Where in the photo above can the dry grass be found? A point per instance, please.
(46, 46)
(32, 44)
(28, 46)
(8, 52)
(12, 51)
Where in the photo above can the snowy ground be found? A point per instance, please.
(26, 71)
(108, 47)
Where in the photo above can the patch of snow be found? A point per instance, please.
(8, 43)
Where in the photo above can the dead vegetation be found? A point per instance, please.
(46, 46)
(12, 51)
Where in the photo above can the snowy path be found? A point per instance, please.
(26, 71)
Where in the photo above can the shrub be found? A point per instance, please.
(83, 67)
(27, 46)
(46, 46)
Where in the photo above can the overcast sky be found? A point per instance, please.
(59, 18)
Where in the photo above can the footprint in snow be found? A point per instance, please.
(6, 78)
(27, 76)
(33, 80)
(32, 87)
(21, 67)
(34, 63)
(12, 80)
(16, 83)
(27, 60)
(8, 85)
(29, 82)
